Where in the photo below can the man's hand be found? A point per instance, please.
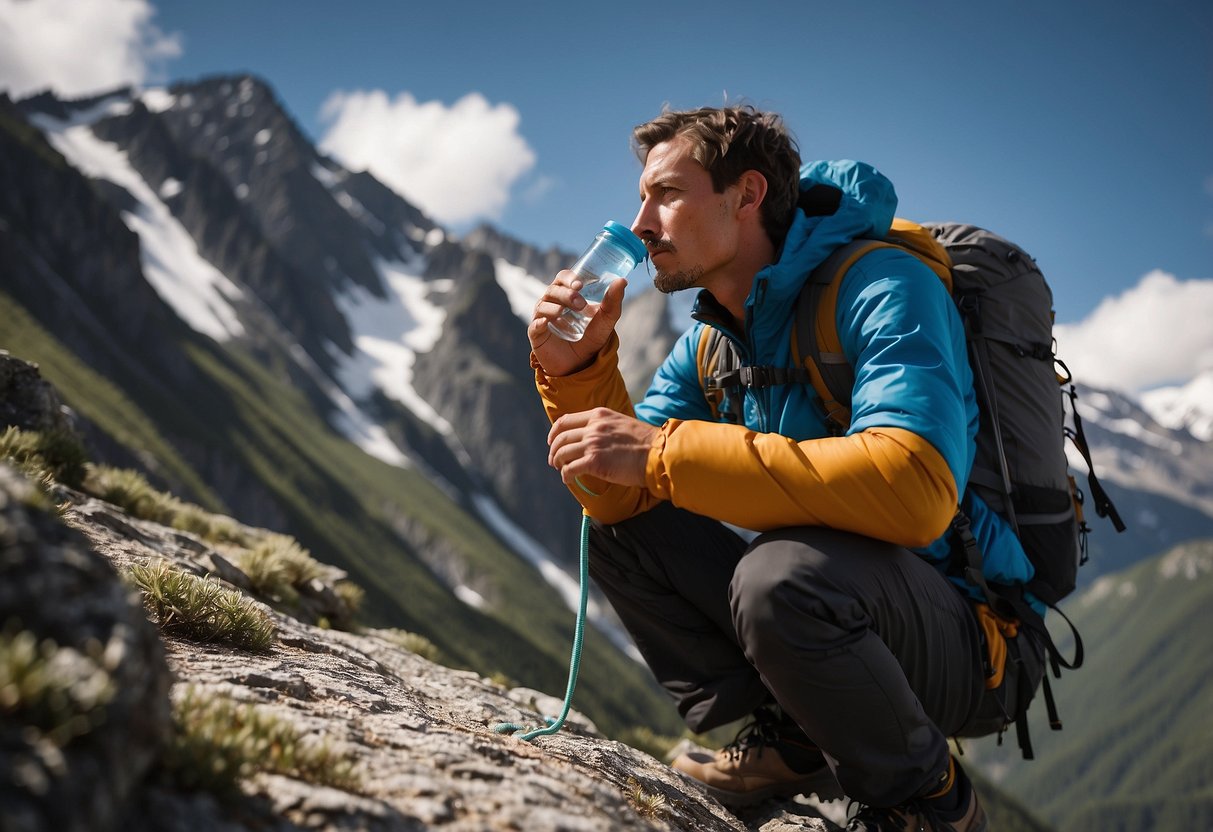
(600, 443)
(557, 356)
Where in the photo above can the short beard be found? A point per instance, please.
(670, 282)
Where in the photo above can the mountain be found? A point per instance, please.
(263, 331)
(271, 335)
(1187, 407)
(1160, 478)
(1136, 750)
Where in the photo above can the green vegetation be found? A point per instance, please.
(218, 743)
(130, 491)
(38, 454)
(1137, 743)
(201, 609)
(647, 804)
(278, 566)
(57, 691)
(97, 399)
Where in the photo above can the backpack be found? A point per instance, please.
(1020, 469)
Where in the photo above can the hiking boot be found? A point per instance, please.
(955, 810)
(770, 757)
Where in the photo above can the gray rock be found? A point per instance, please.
(421, 736)
(74, 750)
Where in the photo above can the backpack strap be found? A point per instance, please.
(1103, 503)
(816, 345)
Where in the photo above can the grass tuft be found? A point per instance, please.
(219, 742)
(130, 491)
(202, 610)
(278, 567)
(58, 691)
(647, 804)
(39, 454)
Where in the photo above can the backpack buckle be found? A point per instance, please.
(759, 376)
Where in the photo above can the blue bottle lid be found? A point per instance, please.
(627, 239)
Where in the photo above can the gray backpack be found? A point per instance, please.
(1020, 469)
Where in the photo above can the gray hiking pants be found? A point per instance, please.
(868, 648)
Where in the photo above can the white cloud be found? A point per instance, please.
(456, 163)
(1157, 332)
(77, 48)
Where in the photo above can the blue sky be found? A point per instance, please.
(1082, 130)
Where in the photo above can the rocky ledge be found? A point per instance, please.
(416, 738)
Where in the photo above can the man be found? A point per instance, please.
(856, 656)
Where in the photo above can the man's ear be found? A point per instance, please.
(752, 191)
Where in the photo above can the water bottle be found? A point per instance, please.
(614, 253)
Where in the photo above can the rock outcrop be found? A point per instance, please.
(419, 735)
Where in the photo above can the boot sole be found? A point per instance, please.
(825, 788)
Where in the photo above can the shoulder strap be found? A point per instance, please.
(815, 342)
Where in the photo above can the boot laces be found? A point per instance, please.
(760, 733)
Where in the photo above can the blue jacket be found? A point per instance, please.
(899, 330)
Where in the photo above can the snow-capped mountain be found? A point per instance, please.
(410, 343)
(1186, 407)
(1160, 478)
(139, 224)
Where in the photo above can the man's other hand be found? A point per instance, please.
(557, 356)
(600, 443)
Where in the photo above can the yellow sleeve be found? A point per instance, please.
(887, 483)
(598, 385)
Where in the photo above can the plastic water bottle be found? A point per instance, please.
(614, 252)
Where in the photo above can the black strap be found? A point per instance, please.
(1103, 503)
(757, 377)
(969, 304)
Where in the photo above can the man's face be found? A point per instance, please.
(689, 229)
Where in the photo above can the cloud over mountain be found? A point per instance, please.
(1155, 333)
(456, 162)
(80, 48)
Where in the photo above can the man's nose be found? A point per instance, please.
(645, 225)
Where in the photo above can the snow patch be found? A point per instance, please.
(170, 188)
(522, 289)
(198, 292)
(1189, 407)
(434, 237)
(263, 136)
(388, 333)
(1186, 564)
(470, 596)
(1133, 428)
(158, 99)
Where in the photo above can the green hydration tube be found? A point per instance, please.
(555, 725)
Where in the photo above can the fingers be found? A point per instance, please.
(559, 294)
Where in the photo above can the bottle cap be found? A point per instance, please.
(630, 241)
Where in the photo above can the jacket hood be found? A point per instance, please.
(865, 210)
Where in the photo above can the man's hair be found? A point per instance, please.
(729, 141)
